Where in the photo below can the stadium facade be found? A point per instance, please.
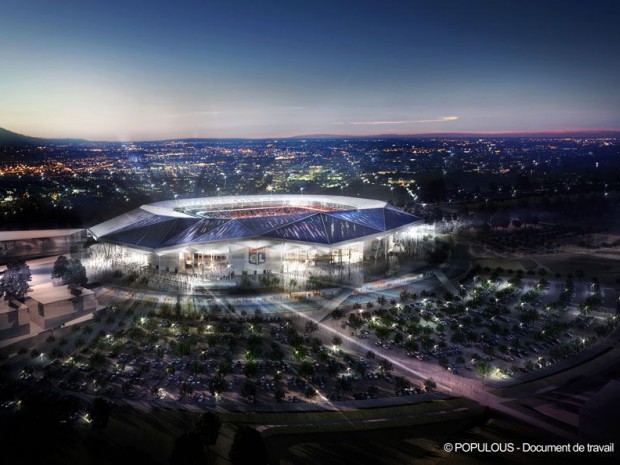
(230, 237)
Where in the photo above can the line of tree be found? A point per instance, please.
(70, 270)
(189, 447)
(248, 448)
(99, 412)
(14, 281)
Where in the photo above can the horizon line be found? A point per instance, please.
(505, 133)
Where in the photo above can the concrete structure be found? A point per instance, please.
(40, 243)
(14, 319)
(51, 306)
(293, 236)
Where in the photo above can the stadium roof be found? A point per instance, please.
(317, 219)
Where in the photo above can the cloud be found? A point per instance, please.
(193, 114)
(441, 119)
(207, 112)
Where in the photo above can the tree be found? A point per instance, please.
(250, 370)
(337, 314)
(401, 384)
(188, 450)
(382, 332)
(311, 327)
(249, 388)
(429, 385)
(316, 345)
(306, 369)
(248, 448)
(385, 366)
(14, 281)
(255, 347)
(60, 267)
(276, 353)
(97, 359)
(75, 273)
(344, 384)
(207, 426)
(217, 385)
(99, 413)
(483, 369)
(279, 394)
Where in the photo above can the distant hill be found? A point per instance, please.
(10, 138)
(13, 138)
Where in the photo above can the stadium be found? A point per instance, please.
(232, 238)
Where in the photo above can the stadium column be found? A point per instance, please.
(386, 245)
(349, 266)
(193, 251)
(282, 260)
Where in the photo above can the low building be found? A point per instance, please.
(51, 306)
(14, 319)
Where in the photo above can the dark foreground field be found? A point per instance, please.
(395, 435)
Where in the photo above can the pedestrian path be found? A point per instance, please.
(333, 304)
(443, 279)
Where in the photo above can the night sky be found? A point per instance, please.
(135, 70)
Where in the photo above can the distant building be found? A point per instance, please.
(40, 243)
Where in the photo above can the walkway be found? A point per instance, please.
(450, 287)
(332, 304)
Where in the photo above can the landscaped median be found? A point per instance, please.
(277, 423)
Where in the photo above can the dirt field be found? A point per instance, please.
(507, 263)
(603, 265)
